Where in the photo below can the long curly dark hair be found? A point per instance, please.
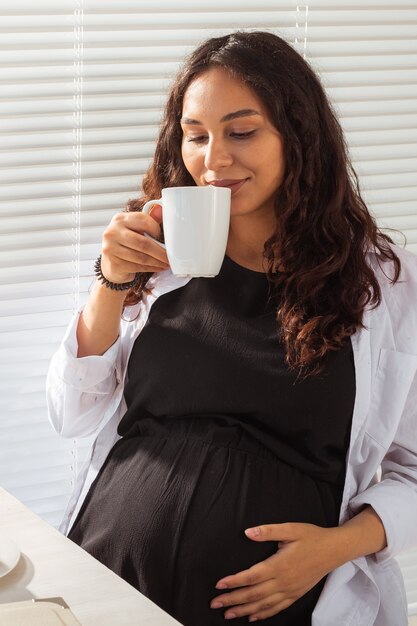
(324, 229)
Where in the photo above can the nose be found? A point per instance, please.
(217, 155)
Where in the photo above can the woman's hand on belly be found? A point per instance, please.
(306, 553)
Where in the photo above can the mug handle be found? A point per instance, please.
(146, 209)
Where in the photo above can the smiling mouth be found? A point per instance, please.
(233, 185)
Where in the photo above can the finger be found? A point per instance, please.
(271, 604)
(151, 269)
(136, 244)
(266, 612)
(135, 221)
(120, 267)
(125, 270)
(139, 242)
(147, 267)
(156, 213)
(288, 531)
(129, 255)
(143, 222)
(254, 593)
(256, 574)
(127, 229)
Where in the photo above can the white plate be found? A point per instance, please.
(9, 554)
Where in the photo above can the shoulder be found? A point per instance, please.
(399, 299)
(406, 286)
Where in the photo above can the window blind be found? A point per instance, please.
(83, 83)
(366, 55)
(39, 240)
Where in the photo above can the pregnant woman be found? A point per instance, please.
(240, 420)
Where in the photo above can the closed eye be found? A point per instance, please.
(243, 135)
(238, 136)
(196, 139)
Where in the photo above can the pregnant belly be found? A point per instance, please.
(168, 514)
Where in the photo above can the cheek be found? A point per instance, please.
(183, 153)
(190, 160)
(274, 164)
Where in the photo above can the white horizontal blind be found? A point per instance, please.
(83, 83)
(366, 54)
(39, 239)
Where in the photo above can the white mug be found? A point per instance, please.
(196, 226)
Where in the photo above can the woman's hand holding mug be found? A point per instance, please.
(126, 250)
(196, 226)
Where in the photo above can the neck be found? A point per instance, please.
(246, 242)
(251, 259)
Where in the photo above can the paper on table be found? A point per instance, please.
(36, 614)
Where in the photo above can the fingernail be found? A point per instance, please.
(230, 615)
(255, 532)
(216, 604)
(221, 586)
(253, 619)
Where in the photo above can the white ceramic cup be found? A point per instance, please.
(196, 226)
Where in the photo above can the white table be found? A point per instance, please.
(53, 566)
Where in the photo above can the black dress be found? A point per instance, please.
(218, 437)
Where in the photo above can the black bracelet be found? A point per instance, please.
(109, 284)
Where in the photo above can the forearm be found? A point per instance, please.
(99, 322)
(361, 535)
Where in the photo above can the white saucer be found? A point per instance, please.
(9, 554)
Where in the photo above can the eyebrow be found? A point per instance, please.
(225, 118)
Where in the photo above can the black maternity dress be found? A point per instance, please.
(218, 437)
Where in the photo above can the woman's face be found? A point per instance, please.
(228, 140)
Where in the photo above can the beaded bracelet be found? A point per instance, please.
(109, 284)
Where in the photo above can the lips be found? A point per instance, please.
(232, 183)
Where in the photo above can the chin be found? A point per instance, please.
(238, 204)
(238, 207)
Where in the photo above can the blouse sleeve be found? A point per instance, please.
(80, 390)
(394, 497)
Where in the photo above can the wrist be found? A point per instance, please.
(114, 285)
(346, 548)
(111, 294)
(362, 535)
(337, 548)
